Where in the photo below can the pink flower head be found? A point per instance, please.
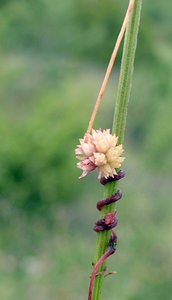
(99, 150)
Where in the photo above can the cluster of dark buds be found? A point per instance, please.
(107, 223)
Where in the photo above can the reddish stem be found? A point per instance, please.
(110, 250)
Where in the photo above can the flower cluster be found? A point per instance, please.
(99, 150)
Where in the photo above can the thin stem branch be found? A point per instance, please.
(110, 65)
(96, 267)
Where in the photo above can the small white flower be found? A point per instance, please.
(99, 150)
(100, 159)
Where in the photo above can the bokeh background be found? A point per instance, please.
(53, 56)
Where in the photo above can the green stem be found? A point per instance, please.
(126, 72)
(123, 94)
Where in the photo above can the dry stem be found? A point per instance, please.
(110, 65)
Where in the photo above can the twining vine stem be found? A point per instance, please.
(107, 223)
(123, 92)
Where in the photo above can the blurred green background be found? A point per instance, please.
(53, 56)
